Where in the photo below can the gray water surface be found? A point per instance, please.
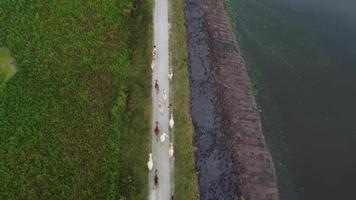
(301, 57)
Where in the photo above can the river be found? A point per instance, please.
(301, 59)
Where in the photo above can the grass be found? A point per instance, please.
(7, 66)
(136, 140)
(186, 186)
(74, 120)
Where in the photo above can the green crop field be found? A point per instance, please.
(74, 119)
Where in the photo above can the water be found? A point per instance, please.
(301, 56)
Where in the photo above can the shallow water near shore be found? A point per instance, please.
(301, 57)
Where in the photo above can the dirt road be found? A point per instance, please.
(161, 160)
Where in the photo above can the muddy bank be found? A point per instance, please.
(232, 158)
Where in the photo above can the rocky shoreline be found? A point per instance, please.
(232, 158)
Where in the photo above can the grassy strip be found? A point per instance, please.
(74, 119)
(186, 186)
(134, 144)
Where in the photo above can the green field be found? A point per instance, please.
(74, 119)
(186, 186)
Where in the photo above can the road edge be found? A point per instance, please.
(185, 181)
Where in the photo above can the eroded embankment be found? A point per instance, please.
(213, 163)
(232, 158)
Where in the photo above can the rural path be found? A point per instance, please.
(160, 155)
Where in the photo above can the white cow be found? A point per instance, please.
(154, 51)
(150, 162)
(163, 137)
(153, 64)
(165, 97)
(171, 122)
(160, 107)
(170, 75)
(171, 150)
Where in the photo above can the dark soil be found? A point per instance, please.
(214, 164)
(232, 158)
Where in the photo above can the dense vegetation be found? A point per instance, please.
(186, 186)
(78, 103)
